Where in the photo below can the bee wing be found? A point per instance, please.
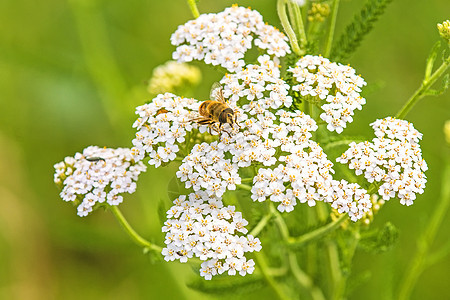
(217, 92)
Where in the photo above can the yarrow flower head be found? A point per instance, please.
(96, 176)
(337, 84)
(393, 158)
(173, 76)
(224, 38)
(162, 125)
(303, 174)
(200, 225)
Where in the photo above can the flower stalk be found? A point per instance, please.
(193, 7)
(424, 88)
(331, 29)
(316, 234)
(281, 8)
(131, 232)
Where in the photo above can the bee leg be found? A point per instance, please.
(226, 132)
(235, 121)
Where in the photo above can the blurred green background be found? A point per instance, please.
(71, 74)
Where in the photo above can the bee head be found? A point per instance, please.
(227, 116)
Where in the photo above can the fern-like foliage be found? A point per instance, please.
(361, 25)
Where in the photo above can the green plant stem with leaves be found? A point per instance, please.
(425, 87)
(317, 239)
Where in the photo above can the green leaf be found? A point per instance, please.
(228, 285)
(380, 240)
(361, 25)
(431, 59)
(443, 89)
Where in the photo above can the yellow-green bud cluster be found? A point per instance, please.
(444, 30)
(318, 12)
(172, 77)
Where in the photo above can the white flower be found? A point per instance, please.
(393, 158)
(224, 38)
(162, 125)
(97, 175)
(337, 84)
(199, 225)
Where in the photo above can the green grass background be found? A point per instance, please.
(71, 74)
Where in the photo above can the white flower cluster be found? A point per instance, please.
(162, 125)
(206, 168)
(350, 198)
(223, 38)
(200, 225)
(260, 84)
(337, 84)
(394, 158)
(305, 176)
(97, 175)
(172, 76)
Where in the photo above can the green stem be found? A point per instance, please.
(296, 13)
(421, 92)
(250, 179)
(315, 234)
(335, 269)
(193, 7)
(260, 226)
(418, 264)
(293, 18)
(302, 278)
(373, 187)
(263, 266)
(281, 8)
(331, 29)
(244, 187)
(331, 145)
(131, 232)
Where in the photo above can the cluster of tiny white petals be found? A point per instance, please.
(349, 198)
(260, 85)
(162, 125)
(224, 38)
(304, 175)
(337, 84)
(200, 225)
(394, 158)
(206, 168)
(97, 175)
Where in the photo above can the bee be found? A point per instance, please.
(216, 111)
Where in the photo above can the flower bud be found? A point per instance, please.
(444, 30)
(318, 12)
(173, 76)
